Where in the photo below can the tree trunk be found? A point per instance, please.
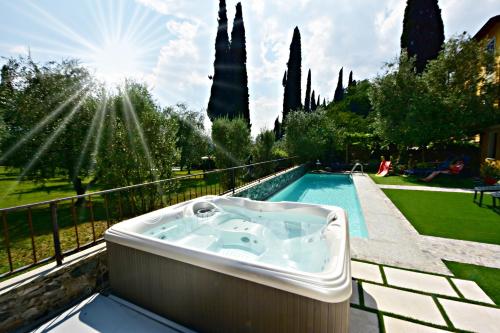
(80, 189)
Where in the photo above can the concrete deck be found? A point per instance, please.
(109, 314)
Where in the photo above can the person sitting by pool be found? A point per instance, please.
(454, 169)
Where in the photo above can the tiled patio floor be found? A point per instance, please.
(410, 301)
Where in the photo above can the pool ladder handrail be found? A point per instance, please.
(354, 169)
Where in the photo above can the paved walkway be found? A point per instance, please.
(462, 251)
(409, 301)
(426, 188)
(392, 240)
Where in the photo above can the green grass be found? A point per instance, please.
(77, 220)
(14, 193)
(487, 278)
(447, 181)
(448, 215)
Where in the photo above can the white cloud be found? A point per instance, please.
(183, 30)
(359, 35)
(161, 6)
(19, 49)
(267, 109)
(388, 25)
(178, 75)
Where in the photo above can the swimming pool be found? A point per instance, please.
(327, 189)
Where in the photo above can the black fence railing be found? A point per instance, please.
(41, 232)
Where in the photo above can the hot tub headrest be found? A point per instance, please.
(204, 209)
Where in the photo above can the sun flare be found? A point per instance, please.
(116, 60)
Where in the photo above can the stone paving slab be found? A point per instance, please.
(426, 188)
(472, 317)
(363, 322)
(364, 271)
(394, 325)
(472, 291)
(419, 281)
(404, 303)
(461, 251)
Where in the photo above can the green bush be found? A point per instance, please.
(232, 142)
(232, 147)
(309, 136)
(263, 150)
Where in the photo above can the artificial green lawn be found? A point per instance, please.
(487, 278)
(448, 181)
(448, 215)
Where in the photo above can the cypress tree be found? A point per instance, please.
(351, 81)
(318, 103)
(307, 101)
(313, 101)
(285, 95)
(292, 94)
(339, 91)
(217, 104)
(5, 79)
(277, 129)
(423, 31)
(324, 102)
(238, 68)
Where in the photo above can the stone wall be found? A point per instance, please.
(271, 185)
(48, 292)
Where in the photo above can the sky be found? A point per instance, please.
(169, 44)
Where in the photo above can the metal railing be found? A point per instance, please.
(41, 232)
(354, 168)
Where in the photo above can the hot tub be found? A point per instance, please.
(224, 264)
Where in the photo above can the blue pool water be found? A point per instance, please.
(335, 190)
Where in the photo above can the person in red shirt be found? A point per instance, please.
(454, 169)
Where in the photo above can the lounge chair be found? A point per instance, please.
(495, 196)
(425, 171)
(482, 189)
(443, 166)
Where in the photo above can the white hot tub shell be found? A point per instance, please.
(224, 264)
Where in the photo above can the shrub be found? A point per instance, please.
(232, 145)
(263, 151)
(309, 136)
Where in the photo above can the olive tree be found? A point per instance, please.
(139, 139)
(309, 136)
(192, 142)
(263, 150)
(232, 142)
(48, 110)
(452, 99)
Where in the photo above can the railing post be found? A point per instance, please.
(55, 233)
(233, 180)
